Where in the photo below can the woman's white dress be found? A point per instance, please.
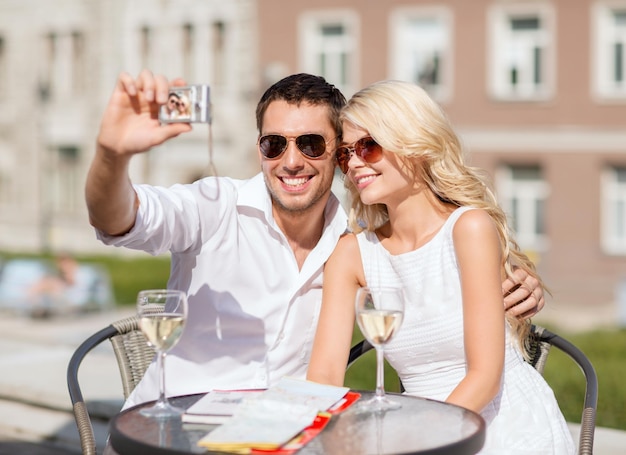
(428, 352)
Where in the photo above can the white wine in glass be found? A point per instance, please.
(162, 315)
(379, 314)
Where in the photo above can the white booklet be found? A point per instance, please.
(275, 416)
(217, 406)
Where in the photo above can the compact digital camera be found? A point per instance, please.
(189, 104)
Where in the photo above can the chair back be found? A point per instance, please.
(132, 352)
(357, 351)
(546, 339)
(133, 356)
(538, 349)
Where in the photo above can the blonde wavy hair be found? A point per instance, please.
(403, 119)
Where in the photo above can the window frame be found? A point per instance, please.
(310, 24)
(399, 21)
(603, 88)
(4, 67)
(499, 87)
(63, 182)
(610, 190)
(509, 189)
(78, 61)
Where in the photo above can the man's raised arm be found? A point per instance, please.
(130, 125)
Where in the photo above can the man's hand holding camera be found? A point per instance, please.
(131, 123)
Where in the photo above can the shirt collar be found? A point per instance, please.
(254, 194)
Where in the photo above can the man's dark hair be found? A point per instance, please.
(303, 88)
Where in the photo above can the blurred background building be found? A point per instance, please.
(58, 65)
(535, 88)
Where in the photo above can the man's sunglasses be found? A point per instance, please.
(311, 145)
(365, 148)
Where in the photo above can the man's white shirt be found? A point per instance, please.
(252, 313)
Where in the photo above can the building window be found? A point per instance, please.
(609, 50)
(145, 47)
(5, 188)
(188, 52)
(420, 49)
(328, 48)
(218, 47)
(62, 66)
(48, 64)
(78, 63)
(614, 210)
(521, 60)
(65, 180)
(523, 193)
(8, 175)
(3, 69)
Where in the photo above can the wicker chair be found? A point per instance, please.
(133, 356)
(541, 342)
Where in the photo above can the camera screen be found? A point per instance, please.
(188, 104)
(178, 106)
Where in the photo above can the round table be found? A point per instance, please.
(420, 426)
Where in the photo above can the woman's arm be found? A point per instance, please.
(343, 274)
(479, 257)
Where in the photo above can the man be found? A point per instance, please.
(172, 107)
(249, 253)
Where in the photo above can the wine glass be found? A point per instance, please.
(162, 315)
(379, 313)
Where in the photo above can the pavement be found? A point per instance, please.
(35, 409)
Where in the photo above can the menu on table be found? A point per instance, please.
(280, 419)
(218, 406)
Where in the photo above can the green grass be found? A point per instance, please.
(606, 349)
(131, 275)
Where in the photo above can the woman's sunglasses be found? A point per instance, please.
(311, 145)
(365, 148)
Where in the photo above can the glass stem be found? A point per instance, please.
(380, 374)
(161, 368)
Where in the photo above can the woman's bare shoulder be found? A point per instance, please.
(346, 246)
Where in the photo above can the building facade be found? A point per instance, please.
(58, 65)
(536, 90)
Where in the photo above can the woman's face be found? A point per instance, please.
(183, 106)
(380, 182)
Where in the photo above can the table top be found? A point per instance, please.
(420, 426)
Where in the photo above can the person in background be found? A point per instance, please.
(51, 292)
(425, 221)
(70, 286)
(250, 254)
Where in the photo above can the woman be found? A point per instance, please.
(424, 220)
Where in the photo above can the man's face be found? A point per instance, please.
(173, 103)
(296, 182)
